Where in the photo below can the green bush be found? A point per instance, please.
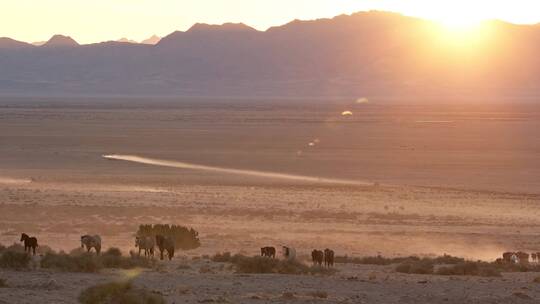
(124, 293)
(184, 238)
(14, 259)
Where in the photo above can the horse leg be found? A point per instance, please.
(34, 250)
(161, 254)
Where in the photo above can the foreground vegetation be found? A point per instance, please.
(119, 292)
(257, 264)
(442, 265)
(77, 261)
(14, 257)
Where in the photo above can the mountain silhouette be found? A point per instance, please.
(8, 43)
(152, 40)
(126, 40)
(364, 54)
(60, 41)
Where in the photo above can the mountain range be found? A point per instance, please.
(380, 54)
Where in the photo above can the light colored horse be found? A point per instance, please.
(146, 243)
(91, 241)
(289, 253)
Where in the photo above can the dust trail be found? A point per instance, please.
(282, 176)
(14, 181)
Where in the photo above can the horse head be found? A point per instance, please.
(24, 236)
(83, 238)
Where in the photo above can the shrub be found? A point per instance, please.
(16, 247)
(222, 257)
(374, 260)
(470, 268)
(536, 280)
(184, 238)
(448, 260)
(14, 259)
(123, 293)
(3, 283)
(380, 260)
(417, 267)
(2, 248)
(258, 264)
(86, 262)
(89, 262)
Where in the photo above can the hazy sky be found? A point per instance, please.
(99, 20)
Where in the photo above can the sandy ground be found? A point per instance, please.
(458, 180)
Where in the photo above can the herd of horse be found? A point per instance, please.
(318, 257)
(165, 244)
(146, 243)
(519, 257)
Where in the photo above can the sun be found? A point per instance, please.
(459, 23)
(455, 15)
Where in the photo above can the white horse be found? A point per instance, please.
(91, 241)
(146, 243)
(289, 253)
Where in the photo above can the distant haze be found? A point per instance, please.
(363, 55)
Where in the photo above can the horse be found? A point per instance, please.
(289, 253)
(145, 243)
(507, 256)
(328, 257)
(268, 252)
(523, 257)
(30, 243)
(165, 243)
(317, 257)
(91, 241)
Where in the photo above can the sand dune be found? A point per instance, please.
(263, 174)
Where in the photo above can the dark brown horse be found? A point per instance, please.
(328, 257)
(507, 256)
(317, 256)
(523, 257)
(268, 252)
(165, 243)
(30, 243)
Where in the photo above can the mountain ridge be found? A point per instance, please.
(363, 54)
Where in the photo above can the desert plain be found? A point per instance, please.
(395, 178)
